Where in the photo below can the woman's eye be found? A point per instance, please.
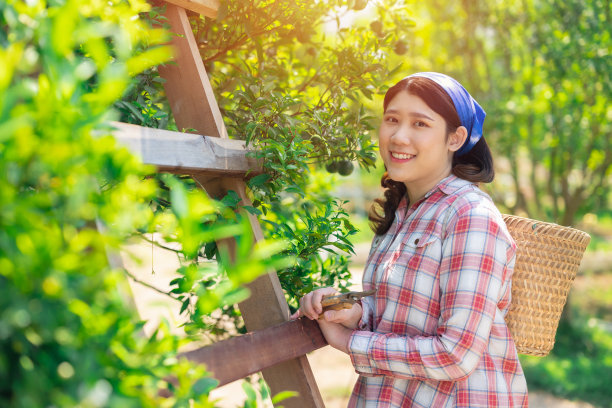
(390, 119)
(419, 123)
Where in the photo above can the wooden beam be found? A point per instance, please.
(267, 309)
(194, 107)
(187, 153)
(206, 8)
(232, 359)
(187, 86)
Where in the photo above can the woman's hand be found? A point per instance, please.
(336, 325)
(310, 306)
(337, 335)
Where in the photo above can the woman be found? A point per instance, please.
(433, 335)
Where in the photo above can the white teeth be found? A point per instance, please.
(402, 156)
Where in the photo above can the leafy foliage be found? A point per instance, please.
(556, 89)
(68, 334)
(541, 70)
(295, 93)
(578, 366)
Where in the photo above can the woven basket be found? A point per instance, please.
(547, 259)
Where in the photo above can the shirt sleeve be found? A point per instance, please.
(367, 314)
(475, 253)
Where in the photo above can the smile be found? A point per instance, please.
(401, 156)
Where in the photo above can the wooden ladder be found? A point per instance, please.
(219, 165)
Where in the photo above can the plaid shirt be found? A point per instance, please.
(434, 334)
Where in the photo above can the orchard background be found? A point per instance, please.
(302, 82)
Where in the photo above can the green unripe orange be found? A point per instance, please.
(345, 167)
(332, 167)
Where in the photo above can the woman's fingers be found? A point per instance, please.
(330, 316)
(336, 316)
(310, 304)
(307, 307)
(347, 317)
(317, 296)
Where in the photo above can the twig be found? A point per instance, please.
(148, 285)
(160, 245)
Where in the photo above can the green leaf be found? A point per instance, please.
(259, 180)
(264, 389)
(178, 197)
(231, 199)
(236, 295)
(185, 305)
(252, 210)
(204, 385)
(283, 395)
(249, 391)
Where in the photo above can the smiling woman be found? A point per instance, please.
(441, 264)
(415, 145)
(475, 164)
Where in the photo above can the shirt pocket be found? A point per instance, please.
(420, 252)
(420, 244)
(412, 285)
(403, 260)
(419, 240)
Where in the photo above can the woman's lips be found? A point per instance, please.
(401, 157)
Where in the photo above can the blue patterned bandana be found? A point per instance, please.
(470, 113)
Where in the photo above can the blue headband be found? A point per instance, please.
(470, 113)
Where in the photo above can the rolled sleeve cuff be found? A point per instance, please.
(365, 324)
(359, 345)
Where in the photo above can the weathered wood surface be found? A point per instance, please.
(267, 307)
(186, 153)
(187, 86)
(235, 358)
(194, 106)
(206, 8)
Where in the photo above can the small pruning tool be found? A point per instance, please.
(343, 300)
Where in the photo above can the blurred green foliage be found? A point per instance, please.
(302, 87)
(579, 365)
(541, 69)
(259, 395)
(69, 334)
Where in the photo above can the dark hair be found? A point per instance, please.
(475, 166)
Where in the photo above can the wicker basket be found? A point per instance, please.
(547, 259)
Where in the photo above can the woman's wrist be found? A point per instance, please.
(353, 322)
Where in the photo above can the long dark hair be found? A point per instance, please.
(475, 166)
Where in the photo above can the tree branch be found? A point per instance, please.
(148, 285)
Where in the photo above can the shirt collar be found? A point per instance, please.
(449, 185)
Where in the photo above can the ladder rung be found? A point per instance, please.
(187, 153)
(235, 358)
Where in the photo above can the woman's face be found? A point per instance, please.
(414, 146)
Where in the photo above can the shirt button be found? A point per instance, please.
(416, 241)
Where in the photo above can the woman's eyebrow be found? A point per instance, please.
(413, 114)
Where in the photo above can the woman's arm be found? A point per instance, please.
(311, 307)
(336, 325)
(476, 255)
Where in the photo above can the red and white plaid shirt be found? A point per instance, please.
(434, 334)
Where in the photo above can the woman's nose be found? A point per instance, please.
(401, 135)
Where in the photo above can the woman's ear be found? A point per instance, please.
(457, 139)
